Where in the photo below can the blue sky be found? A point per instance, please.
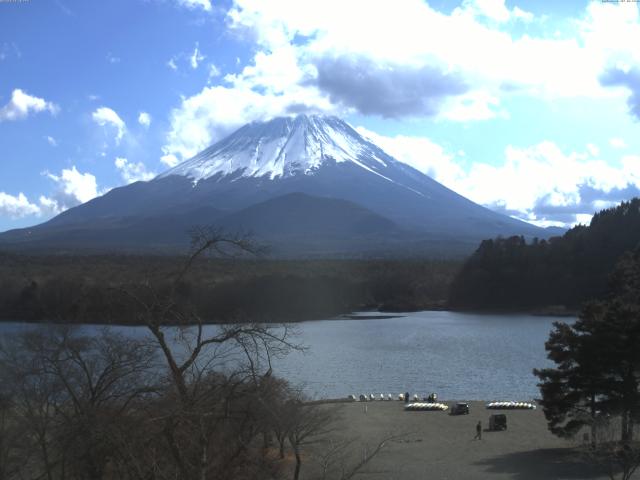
(531, 108)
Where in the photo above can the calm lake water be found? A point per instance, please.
(457, 355)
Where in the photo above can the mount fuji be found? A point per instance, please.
(308, 185)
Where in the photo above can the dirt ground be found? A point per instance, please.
(436, 445)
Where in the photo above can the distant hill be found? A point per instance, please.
(297, 213)
(512, 274)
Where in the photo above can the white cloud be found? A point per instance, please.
(208, 116)
(275, 72)
(20, 206)
(132, 172)
(494, 60)
(421, 153)
(105, 116)
(583, 218)
(526, 176)
(170, 160)
(475, 105)
(48, 207)
(270, 87)
(492, 9)
(144, 119)
(51, 141)
(540, 184)
(617, 143)
(196, 57)
(16, 206)
(194, 4)
(74, 187)
(71, 188)
(522, 15)
(213, 71)
(22, 104)
(193, 59)
(593, 149)
(631, 167)
(496, 10)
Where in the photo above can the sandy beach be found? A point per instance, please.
(436, 445)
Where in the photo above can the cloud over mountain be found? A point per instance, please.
(385, 90)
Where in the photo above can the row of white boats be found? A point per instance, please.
(430, 404)
(511, 406)
(382, 397)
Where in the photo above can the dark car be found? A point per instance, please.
(460, 408)
(498, 422)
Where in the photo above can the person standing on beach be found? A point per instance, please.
(478, 431)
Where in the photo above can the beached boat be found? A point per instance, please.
(426, 406)
(511, 406)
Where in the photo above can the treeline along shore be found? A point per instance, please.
(503, 275)
(518, 274)
(88, 288)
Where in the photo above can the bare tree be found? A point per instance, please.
(275, 410)
(188, 401)
(344, 458)
(10, 439)
(308, 423)
(68, 393)
(215, 372)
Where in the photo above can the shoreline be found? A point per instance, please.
(546, 311)
(396, 401)
(384, 315)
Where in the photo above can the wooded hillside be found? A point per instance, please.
(512, 274)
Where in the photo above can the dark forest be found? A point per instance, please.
(513, 274)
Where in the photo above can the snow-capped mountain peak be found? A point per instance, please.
(309, 184)
(283, 147)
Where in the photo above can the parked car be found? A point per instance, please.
(498, 422)
(460, 408)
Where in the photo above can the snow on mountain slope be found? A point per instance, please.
(284, 147)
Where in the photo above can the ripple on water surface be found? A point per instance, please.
(457, 355)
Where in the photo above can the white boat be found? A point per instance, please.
(511, 406)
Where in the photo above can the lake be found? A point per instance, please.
(461, 356)
(457, 355)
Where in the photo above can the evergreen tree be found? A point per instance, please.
(513, 274)
(572, 392)
(597, 359)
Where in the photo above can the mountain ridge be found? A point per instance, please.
(318, 156)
